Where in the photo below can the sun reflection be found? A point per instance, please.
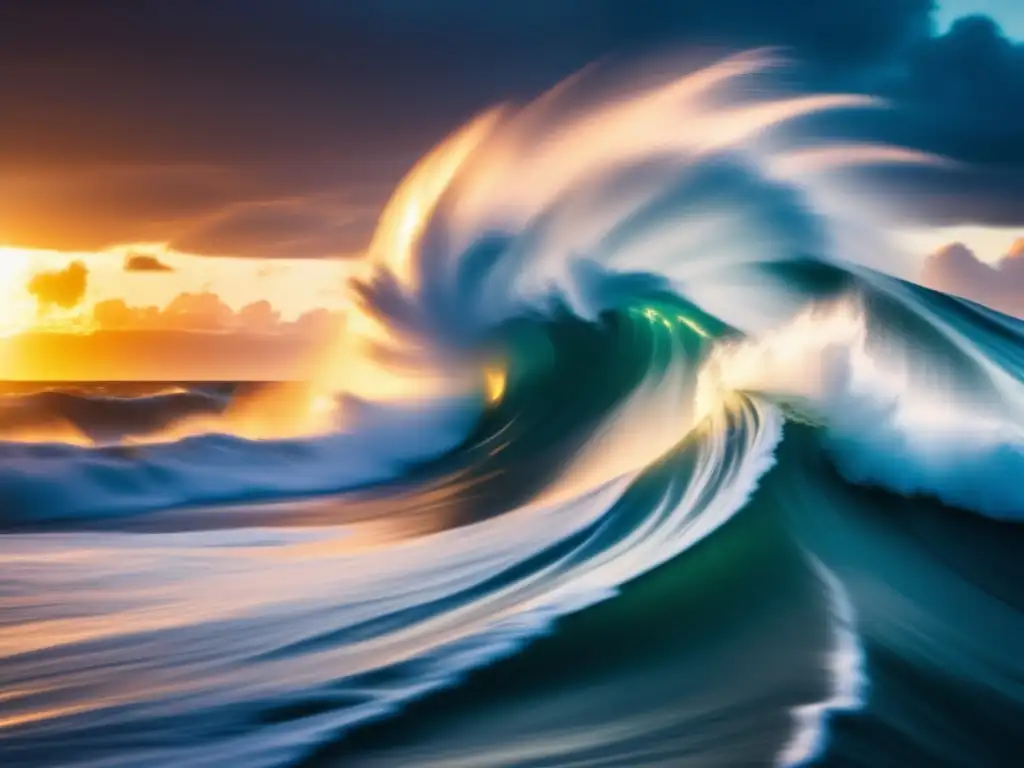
(693, 326)
(494, 383)
(653, 315)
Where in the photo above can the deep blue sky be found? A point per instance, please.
(1009, 13)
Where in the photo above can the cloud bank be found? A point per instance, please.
(207, 313)
(957, 270)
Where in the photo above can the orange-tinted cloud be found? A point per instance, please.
(317, 323)
(62, 288)
(143, 262)
(198, 311)
(115, 314)
(260, 315)
(207, 312)
(196, 336)
(957, 270)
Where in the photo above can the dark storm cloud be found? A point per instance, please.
(970, 83)
(223, 81)
(960, 95)
(956, 269)
(191, 121)
(144, 262)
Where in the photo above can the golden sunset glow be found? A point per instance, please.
(291, 285)
(112, 299)
(17, 310)
(494, 383)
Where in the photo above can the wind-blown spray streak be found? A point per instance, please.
(610, 467)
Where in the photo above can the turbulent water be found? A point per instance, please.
(630, 456)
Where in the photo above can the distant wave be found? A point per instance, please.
(99, 418)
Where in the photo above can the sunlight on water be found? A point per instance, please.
(494, 383)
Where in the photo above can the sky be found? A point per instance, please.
(1009, 13)
(247, 146)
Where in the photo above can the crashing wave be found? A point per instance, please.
(569, 358)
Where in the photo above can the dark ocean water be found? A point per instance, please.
(106, 411)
